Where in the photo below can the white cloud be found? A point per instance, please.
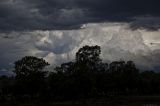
(117, 42)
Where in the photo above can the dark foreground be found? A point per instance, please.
(112, 101)
(87, 81)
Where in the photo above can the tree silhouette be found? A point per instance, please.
(29, 76)
(88, 54)
(88, 58)
(28, 65)
(86, 67)
(61, 81)
(87, 77)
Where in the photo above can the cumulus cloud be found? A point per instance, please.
(117, 42)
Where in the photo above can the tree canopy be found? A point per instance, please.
(28, 65)
(88, 54)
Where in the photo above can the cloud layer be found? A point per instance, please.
(117, 42)
(22, 15)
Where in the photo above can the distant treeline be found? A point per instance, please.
(86, 77)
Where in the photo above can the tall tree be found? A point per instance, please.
(89, 56)
(29, 76)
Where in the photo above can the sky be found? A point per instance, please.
(56, 29)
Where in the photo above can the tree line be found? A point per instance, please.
(87, 77)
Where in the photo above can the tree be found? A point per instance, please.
(88, 54)
(29, 65)
(87, 65)
(30, 77)
(75, 79)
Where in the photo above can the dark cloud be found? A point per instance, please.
(67, 14)
(150, 23)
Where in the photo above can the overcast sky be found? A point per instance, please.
(56, 29)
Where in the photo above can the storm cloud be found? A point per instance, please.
(117, 41)
(22, 15)
(56, 29)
